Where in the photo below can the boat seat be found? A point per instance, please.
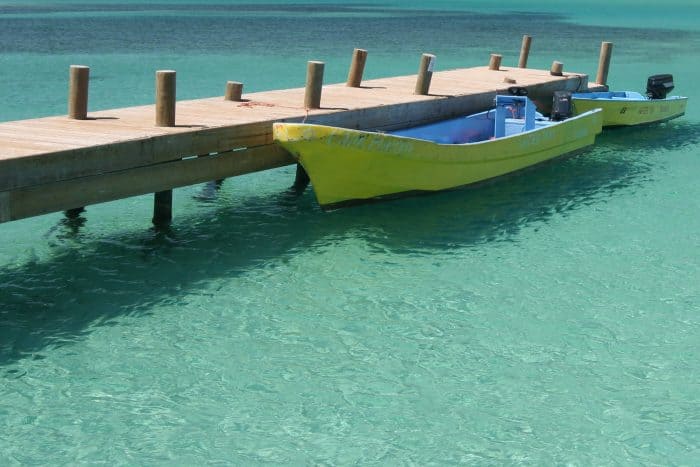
(512, 109)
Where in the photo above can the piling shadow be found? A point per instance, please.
(54, 302)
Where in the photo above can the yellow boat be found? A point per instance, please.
(629, 108)
(347, 166)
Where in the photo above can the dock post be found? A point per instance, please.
(165, 98)
(604, 63)
(234, 91)
(495, 62)
(78, 92)
(79, 83)
(425, 74)
(524, 51)
(314, 85)
(357, 68)
(557, 68)
(165, 116)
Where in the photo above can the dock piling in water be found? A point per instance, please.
(301, 180)
(314, 84)
(165, 116)
(425, 74)
(495, 62)
(524, 51)
(604, 63)
(79, 83)
(357, 68)
(73, 213)
(78, 92)
(162, 207)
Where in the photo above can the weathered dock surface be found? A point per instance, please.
(59, 163)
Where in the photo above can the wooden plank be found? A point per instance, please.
(68, 194)
(93, 160)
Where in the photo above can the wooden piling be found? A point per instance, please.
(78, 91)
(165, 98)
(495, 62)
(357, 68)
(425, 74)
(234, 91)
(165, 116)
(604, 63)
(162, 207)
(524, 51)
(301, 180)
(79, 83)
(74, 213)
(314, 85)
(557, 68)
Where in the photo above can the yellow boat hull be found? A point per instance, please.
(349, 165)
(632, 112)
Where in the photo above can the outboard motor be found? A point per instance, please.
(658, 86)
(561, 105)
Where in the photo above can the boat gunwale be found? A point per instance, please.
(610, 99)
(447, 145)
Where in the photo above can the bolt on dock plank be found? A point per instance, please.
(61, 163)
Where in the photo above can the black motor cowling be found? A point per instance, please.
(658, 86)
(561, 105)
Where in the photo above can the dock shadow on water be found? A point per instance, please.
(57, 301)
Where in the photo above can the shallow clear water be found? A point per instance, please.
(547, 318)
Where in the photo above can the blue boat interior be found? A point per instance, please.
(511, 115)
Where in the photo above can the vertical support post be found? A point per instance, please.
(78, 85)
(5, 208)
(557, 68)
(314, 85)
(495, 62)
(78, 91)
(73, 213)
(524, 51)
(165, 98)
(357, 68)
(604, 63)
(301, 180)
(425, 74)
(165, 116)
(162, 207)
(234, 91)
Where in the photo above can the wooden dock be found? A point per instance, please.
(62, 163)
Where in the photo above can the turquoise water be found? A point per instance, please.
(551, 317)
